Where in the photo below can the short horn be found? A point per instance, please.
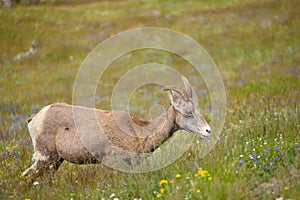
(187, 86)
(178, 90)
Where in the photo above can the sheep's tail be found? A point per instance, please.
(29, 119)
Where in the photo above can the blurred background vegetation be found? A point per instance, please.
(255, 44)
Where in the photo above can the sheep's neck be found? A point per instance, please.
(162, 128)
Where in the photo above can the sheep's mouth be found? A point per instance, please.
(201, 135)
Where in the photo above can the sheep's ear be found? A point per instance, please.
(176, 99)
(187, 87)
(170, 97)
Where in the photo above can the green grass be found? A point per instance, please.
(256, 47)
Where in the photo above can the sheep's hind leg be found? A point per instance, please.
(43, 165)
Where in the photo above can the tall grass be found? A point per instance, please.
(254, 43)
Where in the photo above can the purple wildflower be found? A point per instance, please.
(241, 162)
(8, 169)
(203, 94)
(253, 156)
(71, 187)
(241, 81)
(18, 157)
(4, 156)
(276, 158)
(271, 163)
(267, 168)
(276, 148)
(27, 142)
(297, 147)
(267, 150)
(84, 190)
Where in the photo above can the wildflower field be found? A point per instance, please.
(255, 45)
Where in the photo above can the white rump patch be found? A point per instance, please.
(35, 126)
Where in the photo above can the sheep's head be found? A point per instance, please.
(188, 116)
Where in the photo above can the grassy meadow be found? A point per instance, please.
(254, 43)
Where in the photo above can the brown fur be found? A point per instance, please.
(138, 121)
(85, 135)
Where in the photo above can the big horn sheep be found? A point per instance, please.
(55, 137)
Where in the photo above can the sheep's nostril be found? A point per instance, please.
(206, 130)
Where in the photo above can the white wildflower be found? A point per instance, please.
(36, 183)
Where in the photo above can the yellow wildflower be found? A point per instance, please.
(178, 176)
(159, 195)
(202, 173)
(196, 175)
(27, 198)
(198, 191)
(72, 194)
(286, 188)
(172, 181)
(162, 182)
(162, 190)
(209, 178)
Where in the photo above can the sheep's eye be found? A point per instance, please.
(188, 114)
